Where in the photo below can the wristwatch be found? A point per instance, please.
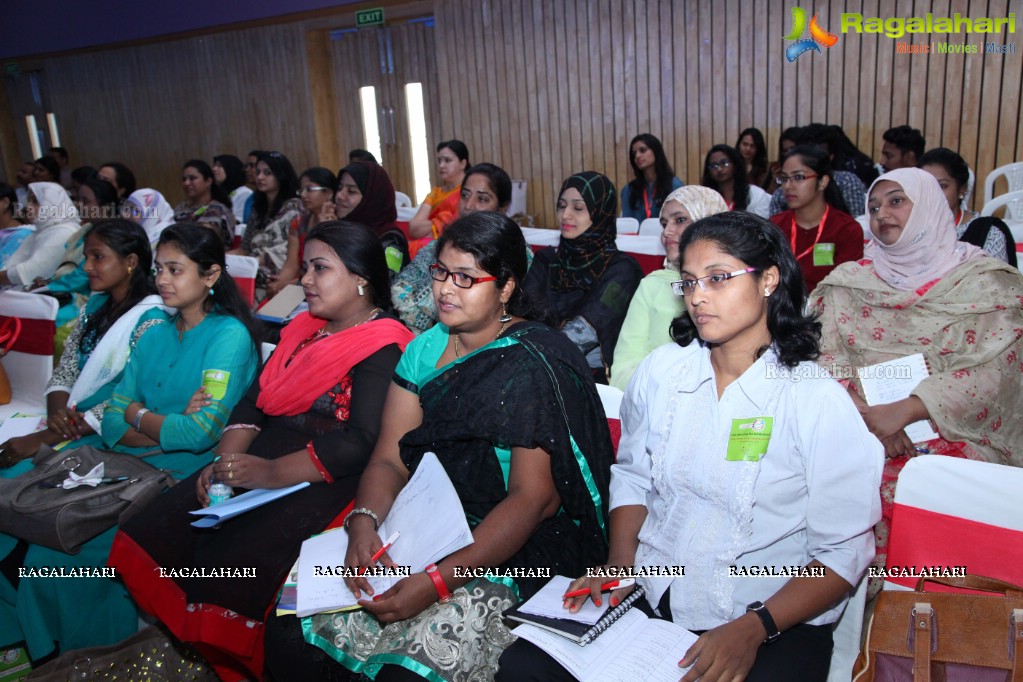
(765, 617)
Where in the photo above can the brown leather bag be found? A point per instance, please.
(947, 636)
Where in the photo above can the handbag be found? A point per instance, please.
(150, 654)
(32, 509)
(947, 636)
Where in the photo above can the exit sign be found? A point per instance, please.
(369, 17)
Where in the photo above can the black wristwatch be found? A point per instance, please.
(765, 617)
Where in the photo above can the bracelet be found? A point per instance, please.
(438, 583)
(362, 510)
(138, 419)
(232, 427)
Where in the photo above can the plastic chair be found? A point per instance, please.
(402, 200)
(651, 227)
(266, 350)
(611, 399)
(1013, 203)
(648, 251)
(627, 225)
(29, 363)
(243, 271)
(1013, 174)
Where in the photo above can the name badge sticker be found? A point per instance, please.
(748, 439)
(824, 254)
(215, 381)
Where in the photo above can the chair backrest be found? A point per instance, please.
(1013, 174)
(971, 181)
(406, 213)
(651, 227)
(266, 349)
(29, 364)
(957, 512)
(627, 225)
(648, 251)
(611, 398)
(402, 200)
(243, 270)
(1012, 201)
(540, 237)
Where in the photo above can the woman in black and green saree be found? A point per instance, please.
(509, 407)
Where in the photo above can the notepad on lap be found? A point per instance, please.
(217, 514)
(634, 647)
(284, 306)
(888, 382)
(545, 610)
(432, 523)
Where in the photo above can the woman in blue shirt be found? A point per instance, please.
(655, 179)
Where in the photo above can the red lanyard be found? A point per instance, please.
(820, 229)
(646, 203)
(959, 217)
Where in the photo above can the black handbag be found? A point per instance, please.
(32, 509)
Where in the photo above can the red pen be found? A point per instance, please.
(606, 587)
(380, 552)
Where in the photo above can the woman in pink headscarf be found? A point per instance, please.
(920, 290)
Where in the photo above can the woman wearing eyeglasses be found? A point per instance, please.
(820, 232)
(586, 280)
(728, 464)
(508, 406)
(724, 171)
(316, 187)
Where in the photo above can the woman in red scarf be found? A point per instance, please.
(313, 415)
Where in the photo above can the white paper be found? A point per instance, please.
(218, 513)
(283, 306)
(15, 427)
(894, 380)
(432, 523)
(633, 648)
(548, 602)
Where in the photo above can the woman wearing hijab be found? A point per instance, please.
(587, 282)
(148, 208)
(56, 220)
(365, 195)
(920, 290)
(655, 305)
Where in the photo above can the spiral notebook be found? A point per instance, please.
(542, 608)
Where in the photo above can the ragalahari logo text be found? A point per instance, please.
(818, 36)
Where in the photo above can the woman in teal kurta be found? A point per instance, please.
(207, 342)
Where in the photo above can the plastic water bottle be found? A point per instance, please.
(220, 492)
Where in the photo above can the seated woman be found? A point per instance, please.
(440, 206)
(753, 150)
(274, 208)
(123, 306)
(724, 171)
(206, 202)
(46, 169)
(819, 230)
(55, 218)
(531, 477)
(120, 176)
(655, 305)
(789, 139)
(919, 290)
(486, 187)
(654, 179)
(316, 189)
(229, 173)
(586, 280)
(12, 231)
(987, 232)
(313, 415)
(365, 195)
(690, 488)
(208, 339)
(150, 210)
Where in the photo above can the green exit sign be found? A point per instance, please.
(369, 17)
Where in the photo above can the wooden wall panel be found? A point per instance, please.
(695, 73)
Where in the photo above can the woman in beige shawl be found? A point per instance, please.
(919, 290)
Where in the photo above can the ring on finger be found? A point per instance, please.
(230, 475)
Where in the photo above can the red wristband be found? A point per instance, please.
(438, 583)
(327, 478)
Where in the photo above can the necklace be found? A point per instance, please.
(323, 333)
(458, 353)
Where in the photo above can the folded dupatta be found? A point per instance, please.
(290, 389)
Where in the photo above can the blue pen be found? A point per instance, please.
(923, 451)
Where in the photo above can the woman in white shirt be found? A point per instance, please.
(739, 455)
(56, 219)
(724, 171)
